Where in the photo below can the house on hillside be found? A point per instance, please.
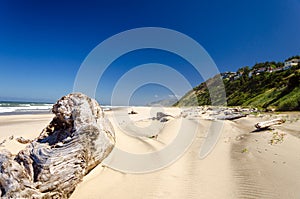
(278, 69)
(250, 74)
(290, 63)
(228, 75)
(236, 77)
(261, 70)
(258, 71)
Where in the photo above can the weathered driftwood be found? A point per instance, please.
(161, 115)
(267, 124)
(132, 112)
(23, 140)
(77, 139)
(231, 117)
(2, 142)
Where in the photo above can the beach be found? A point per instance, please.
(243, 164)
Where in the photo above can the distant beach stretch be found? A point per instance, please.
(245, 161)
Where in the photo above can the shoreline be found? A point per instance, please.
(26, 113)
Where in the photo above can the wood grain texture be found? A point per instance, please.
(76, 140)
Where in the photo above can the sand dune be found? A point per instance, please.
(243, 163)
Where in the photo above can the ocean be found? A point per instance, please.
(9, 107)
(12, 107)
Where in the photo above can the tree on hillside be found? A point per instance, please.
(244, 70)
(294, 81)
(259, 65)
(271, 64)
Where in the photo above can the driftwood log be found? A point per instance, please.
(231, 117)
(76, 140)
(267, 124)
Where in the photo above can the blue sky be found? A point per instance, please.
(43, 43)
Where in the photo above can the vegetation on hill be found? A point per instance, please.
(293, 57)
(275, 88)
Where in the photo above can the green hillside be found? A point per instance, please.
(274, 88)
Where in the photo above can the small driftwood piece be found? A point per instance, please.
(23, 140)
(132, 112)
(267, 124)
(2, 142)
(161, 115)
(231, 117)
(77, 140)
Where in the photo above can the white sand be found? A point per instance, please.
(27, 126)
(242, 164)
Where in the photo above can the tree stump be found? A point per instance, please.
(76, 140)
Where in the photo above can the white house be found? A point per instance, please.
(288, 64)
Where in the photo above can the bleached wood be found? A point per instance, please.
(76, 140)
(266, 124)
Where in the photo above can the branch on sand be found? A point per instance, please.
(268, 124)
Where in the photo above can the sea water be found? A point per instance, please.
(7, 107)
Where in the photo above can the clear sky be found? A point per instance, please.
(43, 43)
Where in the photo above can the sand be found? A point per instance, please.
(27, 126)
(243, 163)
